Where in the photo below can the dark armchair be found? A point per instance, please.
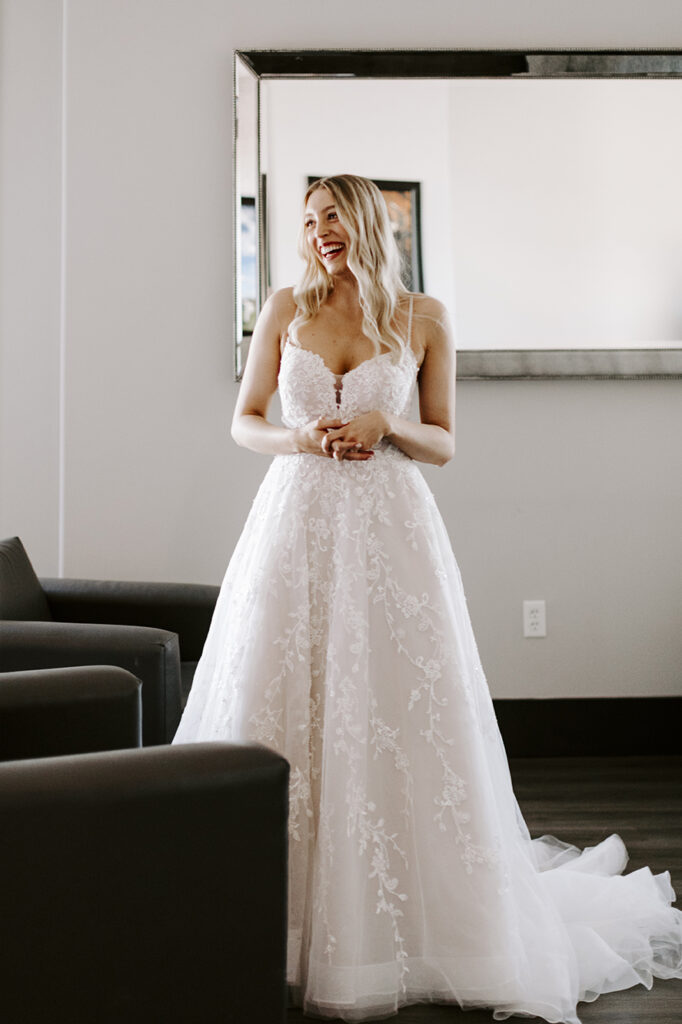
(155, 631)
(137, 885)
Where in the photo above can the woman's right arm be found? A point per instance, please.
(250, 427)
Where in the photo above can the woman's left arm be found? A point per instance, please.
(433, 439)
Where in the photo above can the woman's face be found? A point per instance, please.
(326, 236)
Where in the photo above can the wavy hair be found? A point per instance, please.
(373, 259)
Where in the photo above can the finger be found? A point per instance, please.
(325, 423)
(348, 449)
(331, 438)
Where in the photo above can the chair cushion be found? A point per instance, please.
(21, 595)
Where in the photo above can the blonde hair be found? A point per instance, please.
(373, 259)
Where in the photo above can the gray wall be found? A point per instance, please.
(115, 339)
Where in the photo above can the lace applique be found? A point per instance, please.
(308, 388)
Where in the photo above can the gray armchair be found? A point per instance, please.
(155, 631)
(137, 885)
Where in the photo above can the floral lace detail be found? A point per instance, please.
(308, 388)
(299, 799)
(346, 532)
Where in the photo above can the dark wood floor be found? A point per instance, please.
(581, 800)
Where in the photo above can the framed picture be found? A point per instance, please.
(403, 202)
(249, 263)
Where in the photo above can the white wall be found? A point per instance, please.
(570, 491)
(30, 274)
(567, 223)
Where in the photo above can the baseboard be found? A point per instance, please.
(591, 726)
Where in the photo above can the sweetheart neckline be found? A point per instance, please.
(380, 355)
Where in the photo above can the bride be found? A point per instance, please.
(341, 638)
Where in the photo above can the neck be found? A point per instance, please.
(346, 292)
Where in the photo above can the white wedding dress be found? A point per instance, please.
(341, 638)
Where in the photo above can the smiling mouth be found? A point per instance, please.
(328, 252)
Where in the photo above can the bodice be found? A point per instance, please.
(308, 388)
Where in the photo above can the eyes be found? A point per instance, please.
(331, 215)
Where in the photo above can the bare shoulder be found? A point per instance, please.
(431, 325)
(283, 298)
(428, 308)
(282, 306)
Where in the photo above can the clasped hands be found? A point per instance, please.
(354, 440)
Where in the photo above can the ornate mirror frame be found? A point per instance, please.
(252, 67)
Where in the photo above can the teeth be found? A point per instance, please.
(327, 249)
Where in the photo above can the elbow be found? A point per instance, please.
(235, 432)
(447, 452)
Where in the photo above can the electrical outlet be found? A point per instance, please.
(534, 619)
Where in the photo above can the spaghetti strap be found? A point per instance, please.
(409, 323)
(287, 339)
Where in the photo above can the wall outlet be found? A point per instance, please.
(534, 619)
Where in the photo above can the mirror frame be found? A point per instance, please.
(500, 364)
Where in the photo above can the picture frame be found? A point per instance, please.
(248, 233)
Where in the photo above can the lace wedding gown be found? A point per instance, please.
(341, 638)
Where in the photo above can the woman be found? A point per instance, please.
(341, 638)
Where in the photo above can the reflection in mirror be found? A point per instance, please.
(247, 285)
(550, 224)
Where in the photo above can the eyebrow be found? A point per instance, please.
(311, 213)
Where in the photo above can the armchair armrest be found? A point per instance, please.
(182, 608)
(54, 711)
(150, 654)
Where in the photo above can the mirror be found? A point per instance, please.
(542, 193)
